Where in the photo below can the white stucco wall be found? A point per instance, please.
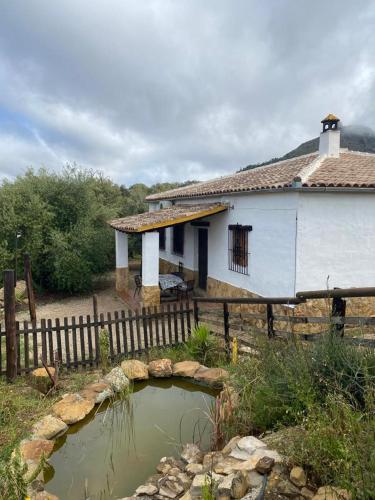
(150, 259)
(121, 249)
(271, 242)
(336, 238)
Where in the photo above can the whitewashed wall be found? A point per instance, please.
(271, 243)
(336, 238)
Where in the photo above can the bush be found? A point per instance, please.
(203, 346)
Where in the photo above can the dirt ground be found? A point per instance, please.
(59, 307)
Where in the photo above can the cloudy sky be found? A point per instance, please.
(158, 90)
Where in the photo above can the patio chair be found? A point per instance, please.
(138, 284)
(184, 289)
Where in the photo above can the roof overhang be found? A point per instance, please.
(166, 217)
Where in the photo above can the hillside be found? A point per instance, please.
(352, 137)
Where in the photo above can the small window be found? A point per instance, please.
(178, 239)
(238, 248)
(162, 238)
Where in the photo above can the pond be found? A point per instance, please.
(113, 451)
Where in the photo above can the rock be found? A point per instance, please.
(246, 446)
(306, 493)
(194, 469)
(117, 379)
(187, 496)
(49, 427)
(44, 495)
(201, 480)
(254, 479)
(185, 368)
(298, 477)
(72, 408)
(227, 465)
(135, 369)
(160, 368)
(40, 380)
(255, 494)
(265, 464)
(146, 489)
(192, 454)
(170, 487)
(154, 479)
(168, 463)
(210, 459)
(213, 377)
(34, 449)
(184, 479)
(98, 392)
(231, 445)
(251, 463)
(331, 493)
(282, 486)
(239, 486)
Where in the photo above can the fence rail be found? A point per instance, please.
(245, 324)
(77, 343)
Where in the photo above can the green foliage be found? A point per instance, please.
(104, 349)
(203, 346)
(337, 446)
(12, 482)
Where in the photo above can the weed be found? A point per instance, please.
(203, 346)
(104, 349)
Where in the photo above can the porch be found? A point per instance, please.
(151, 226)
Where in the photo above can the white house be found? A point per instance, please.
(270, 231)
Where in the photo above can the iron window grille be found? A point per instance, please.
(178, 239)
(162, 238)
(238, 248)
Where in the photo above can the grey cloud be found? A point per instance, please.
(166, 90)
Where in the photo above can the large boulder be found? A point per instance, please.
(246, 446)
(40, 380)
(135, 369)
(97, 392)
(117, 379)
(213, 377)
(160, 368)
(72, 408)
(49, 427)
(33, 449)
(185, 369)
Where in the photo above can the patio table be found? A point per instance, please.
(167, 281)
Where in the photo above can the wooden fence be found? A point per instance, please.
(76, 340)
(230, 322)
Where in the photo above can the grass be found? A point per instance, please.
(326, 391)
(21, 406)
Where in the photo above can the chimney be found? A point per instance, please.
(329, 143)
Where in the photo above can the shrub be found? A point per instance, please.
(203, 346)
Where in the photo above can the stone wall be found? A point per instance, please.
(122, 279)
(150, 296)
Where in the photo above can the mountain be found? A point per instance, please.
(353, 137)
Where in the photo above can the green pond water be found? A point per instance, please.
(113, 451)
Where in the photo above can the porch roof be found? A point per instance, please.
(176, 214)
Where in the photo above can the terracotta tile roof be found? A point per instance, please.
(166, 217)
(351, 169)
(276, 175)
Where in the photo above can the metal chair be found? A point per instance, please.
(184, 289)
(138, 284)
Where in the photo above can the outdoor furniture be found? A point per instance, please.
(138, 284)
(168, 281)
(183, 289)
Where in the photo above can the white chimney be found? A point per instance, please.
(329, 143)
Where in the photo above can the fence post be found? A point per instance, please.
(226, 329)
(338, 311)
(29, 286)
(196, 313)
(270, 329)
(96, 328)
(10, 325)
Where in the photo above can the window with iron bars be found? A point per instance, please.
(238, 248)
